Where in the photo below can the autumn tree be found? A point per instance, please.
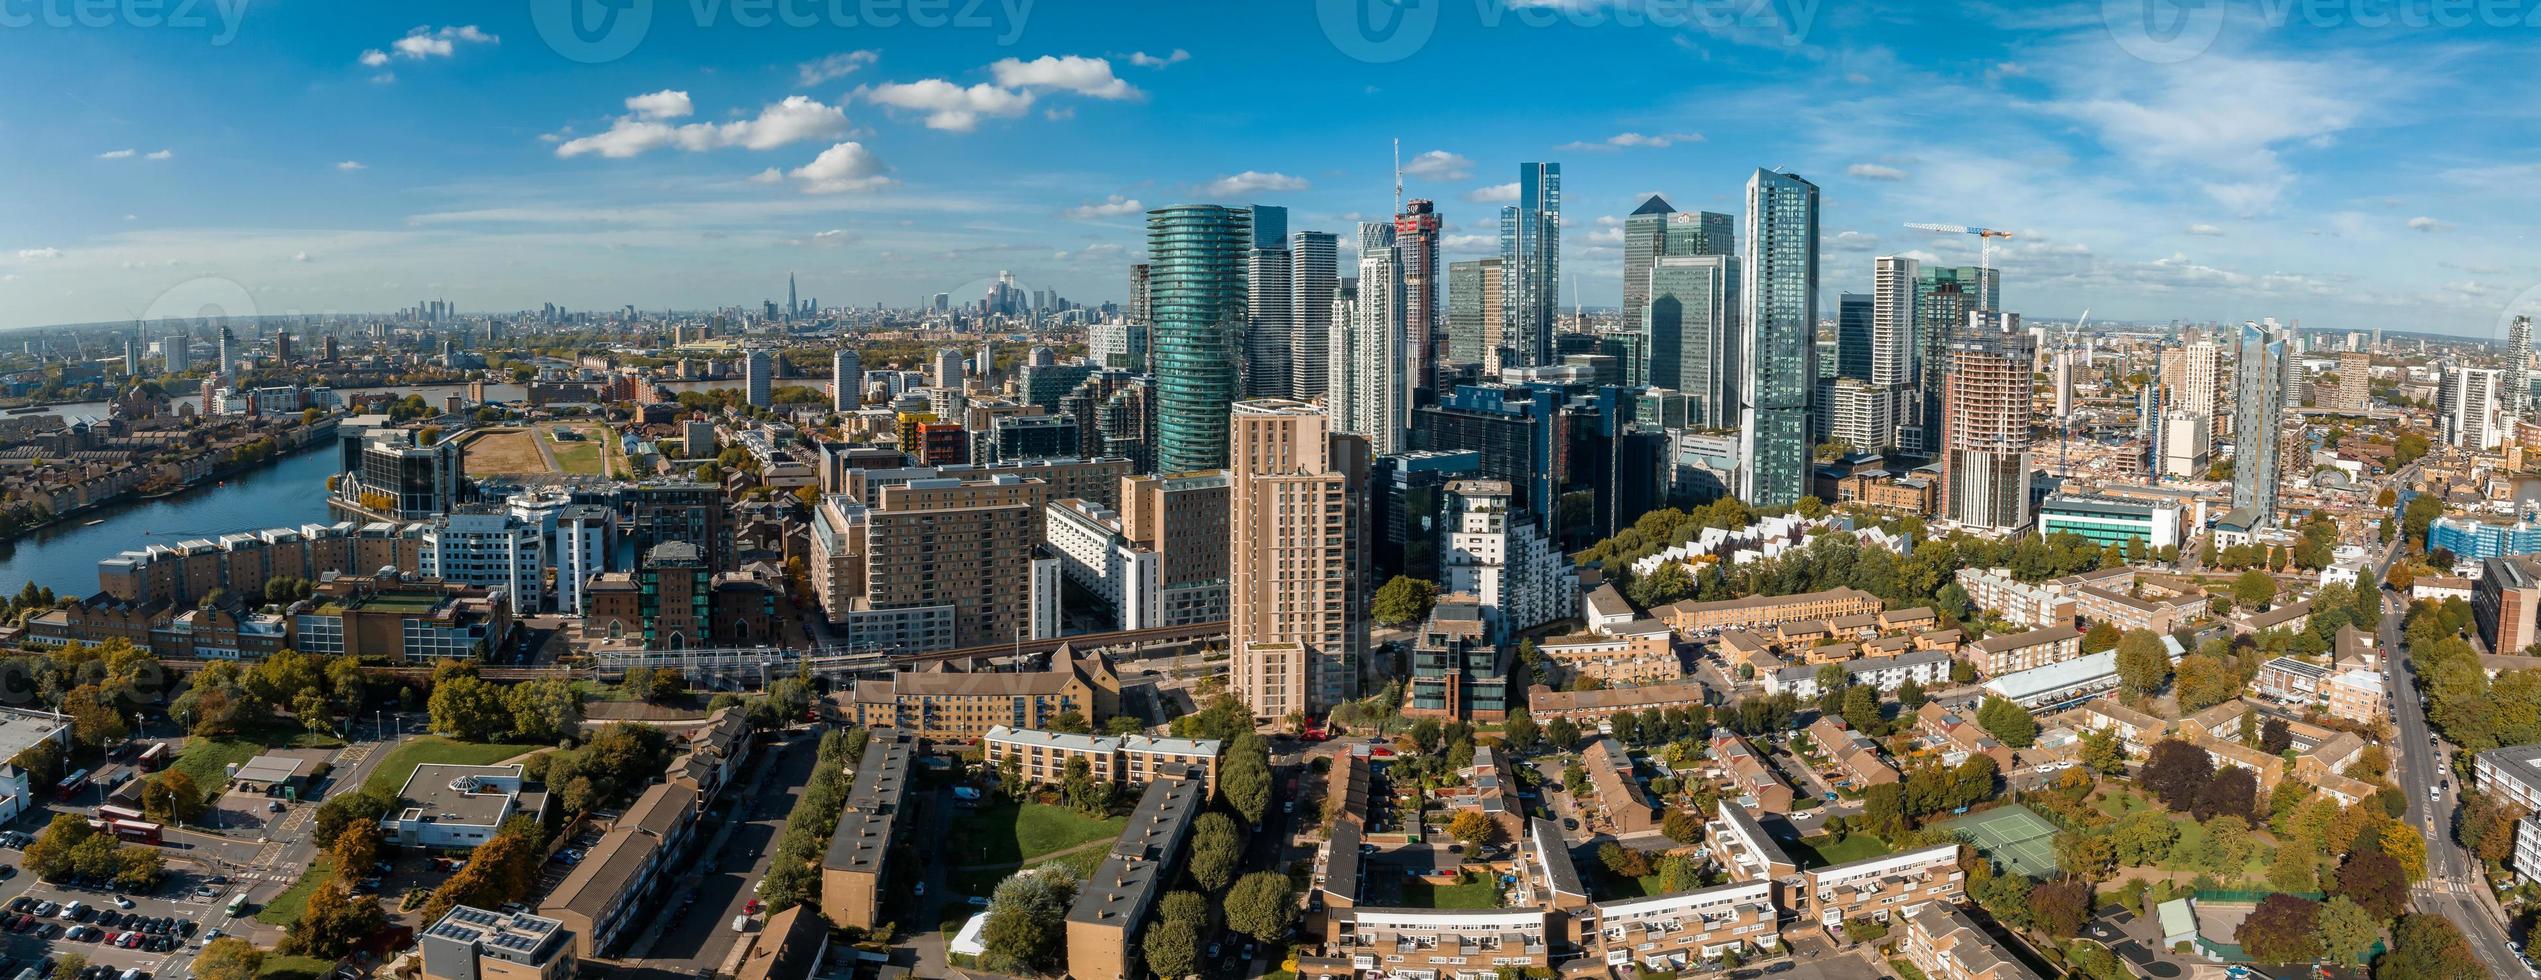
(1474, 829)
(2176, 773)
(170, 796)
(2373, 880)
(2143, 664)
(2283, 929)
(2061, 906)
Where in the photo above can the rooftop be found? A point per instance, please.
(522, 938)
(475, 796)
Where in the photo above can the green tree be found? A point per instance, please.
(1403, 600)
(2254, 588)
(2295, 868)
(336, 921)
(2102, 636)
(470, 709)
(49, 856)
(170, 796)
(1173, 949)
(1245, 777)
(2103, 751)
(2425, 947)
(1217, 848)
(2143, 664)
(544, 710)
(1519, 730)
(1027, 921)
(226, 958)
(2008, 722)
(2347, 931)
(1262, 905)
(1563, 733)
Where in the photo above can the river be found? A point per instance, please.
(63, 557)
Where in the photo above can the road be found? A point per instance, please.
(716, 884)
(2456, 885)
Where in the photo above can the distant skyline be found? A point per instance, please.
(346, 158)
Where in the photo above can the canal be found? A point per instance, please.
(63, 557)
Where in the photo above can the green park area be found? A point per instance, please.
(284, 909)
(402, 760)
(1824, 850)
(1002, 833)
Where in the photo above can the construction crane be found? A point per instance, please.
(1985, 254)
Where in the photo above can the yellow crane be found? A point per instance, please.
(1985, 254)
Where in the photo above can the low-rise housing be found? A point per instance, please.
(858, 863)
(1626, 804)
(1105, 924)
(1588, 707)
(2010, 652)
(1130, 760)
(946, 704)
(1639, 652)
(1698, 619)
(1945, 944)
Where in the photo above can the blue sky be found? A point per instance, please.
(2306, 161)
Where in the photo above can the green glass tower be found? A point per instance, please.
(1196, 285)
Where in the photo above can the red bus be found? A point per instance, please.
(71, 784)
(111, 813)
(154, 758)
(129, 831)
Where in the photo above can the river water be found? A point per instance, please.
(286, 493)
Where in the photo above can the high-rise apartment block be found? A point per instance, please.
(1986, 408)
(1197, 291)
(1779, 333)
(1473, 314)
(1416, 233)
(1314, 278)
(2258, 410)
(1268, 289)
(1531, 264)
(1296, 539)
(934, 563)
(1517, 576)
(1370, 392)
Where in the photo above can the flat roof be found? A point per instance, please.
(271, 768)
(520, 938)
(446, 793)
(21, 729)
(865, 824)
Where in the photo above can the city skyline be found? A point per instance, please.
(361, 162)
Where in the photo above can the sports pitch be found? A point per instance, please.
(2014, 835)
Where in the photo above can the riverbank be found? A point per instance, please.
(285, 490)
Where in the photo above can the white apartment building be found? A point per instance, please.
(1520, 578)
(496, 551)
(1094, 552)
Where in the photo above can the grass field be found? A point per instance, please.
(285, 909)
(403, 759)
(279, 967)
(1820, 851)
(1420, 894)
(983, 881)
(579, 456)
(207, 760)
(999, 832)
(498, 451)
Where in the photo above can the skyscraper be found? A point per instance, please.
(847, 380)
(1893, 354)
(1268, 366)
(1296, 547)
(1196, 292)
(1645, 238)
(2258, 406)
(1986, 409)
(1691, 333)
(1943, 298)
(1416, 238)
(2471, 407)
(793, 301)
(1314, 259)
(1853, 335)
(1370, 391)
(1473, 313)
(177, 351)
(1136, 311)
(228, 356)
(1531, 264)
(1701, 233)
(1778, 337)
(758, 375)
(2518, 395)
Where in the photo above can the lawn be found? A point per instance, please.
(402, 760)
(207, 760)
(1820, 851)
(983, 881)
(285, 909)
(1420, 894)
(278, 967)
(577, 456)
(999, 832)
(505, 451)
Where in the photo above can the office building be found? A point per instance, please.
(1297, 615)
(1370, 391)
(1855, 327)
(1473, 313)
(2108, 521)
(1268, 289)
(759, 379)
(1530, 264)
(1416, 233)
(389, 474)
(1314, 279)
(1690, 332)
(471, 943)
(1196, 289)
(1779, 290)
(2505, 602)
(1645, 238)
(1985, 465)
(493, 550)
(2258, 410)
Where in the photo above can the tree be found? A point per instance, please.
(1665, 584)
(1245, 778)
(2060, 907)
(2254, 588)
(170, 796)
(1563, 733)
(1681, 826)
(2142, 662)
(94, 725)
(2231, 792)
(1071, 722)
(1403, 600)
(336, 921)
(1173, 949)
(2275, 737)
(345, 809)
(356, 849)
(2347, 931)
(1261, 905)
(1474, 829)
(472, 710)
(2283, 929)
(2086, 856)
(1861, 711)
(1911, 696)
(1027, 915)
(1519, 730)
(2143, 838)
(226, 958)
(49, 856)
(2103, 751)
(2102, 636)
(2294, 869)
(1217, 847)
(544, 710)
(2423, 947)
(2007, 721)
(2402, 843)
(2372, 879)
(2176, 773)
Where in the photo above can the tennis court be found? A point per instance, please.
(2014, 835)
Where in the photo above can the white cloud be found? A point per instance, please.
(424, 42)
(2424, 223)
(116, 155)
(1874, 171)
(1144, 60)
(948, 106)
(1627, 141)
(374, 58)
(796, 119)
(1252, 182)
(38, 254)
(1071, 73)
(299, 256)
(160, 155)
(1494, 194)
(665, 104)
(2223, 118)
(2205, 229)
(832, 233)
(1115, 207)
(351, 165)
(843, 167)
(1439, 165)
(771, 175)
(836, 66)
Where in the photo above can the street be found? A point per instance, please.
(694, 932)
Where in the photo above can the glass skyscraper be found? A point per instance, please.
(1691, 334)
(1943, 298)
(1853, 336)
(1197, 256)
(1531, 265)
(2257, 410)
(1268, 352)
(1779, 336)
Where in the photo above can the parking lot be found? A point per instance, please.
(157, 923)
